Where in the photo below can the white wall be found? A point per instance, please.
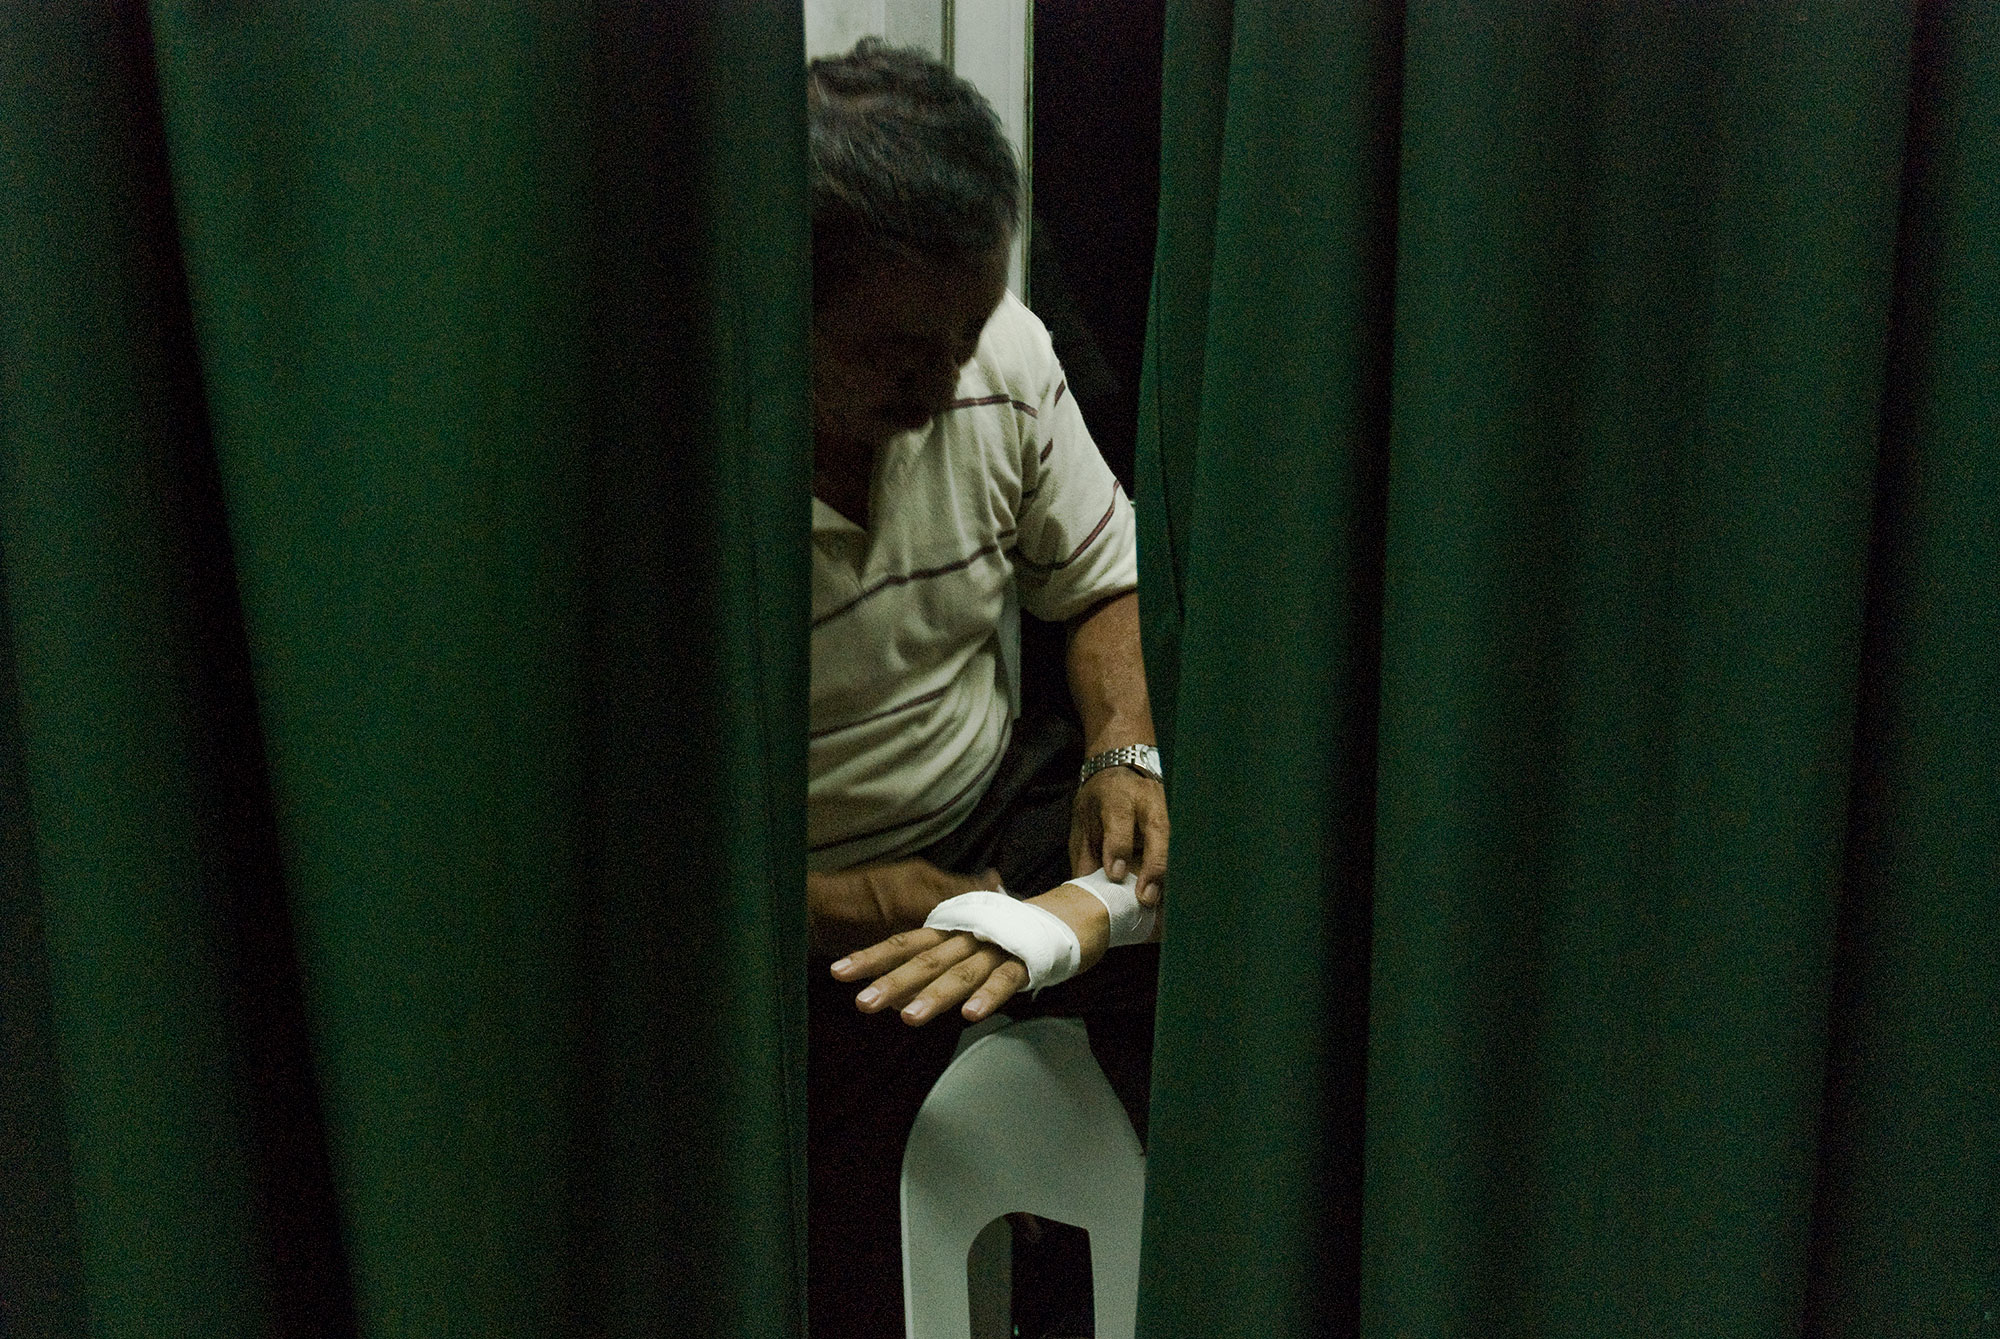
(989, 42)
(832, 26)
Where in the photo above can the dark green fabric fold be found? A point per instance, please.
(381, 215)
(103, 595)
(40, 1289)
(404, 536)
(1908, 1216)
(1194, 94)
(1570, 727)
(1274, 729)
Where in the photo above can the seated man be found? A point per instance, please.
(951, 474)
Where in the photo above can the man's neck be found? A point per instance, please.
(842, 473)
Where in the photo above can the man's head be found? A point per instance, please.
(915, 196)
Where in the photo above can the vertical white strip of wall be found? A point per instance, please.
(918, 23)
(992, 52)
(832, 26)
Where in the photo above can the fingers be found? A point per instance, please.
(891, 952)
(940, 991)
(1085, 835)
(967, 978)
(1119, 816)
(934, 972)
(1009, 977)
(897, 987)
(1153, 868)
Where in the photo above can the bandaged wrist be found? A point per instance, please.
(1039, 938)
(1130, 922)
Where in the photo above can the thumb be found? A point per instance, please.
(990, 882)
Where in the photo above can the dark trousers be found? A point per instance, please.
(868, 1073)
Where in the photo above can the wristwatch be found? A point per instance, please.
(1141, 758)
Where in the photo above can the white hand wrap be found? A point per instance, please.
(1130, 922)
(1038, 938)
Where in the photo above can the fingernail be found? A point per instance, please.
(975, 1011)
(870, 995)
(1118, 871)
(842, 966)
(916, 1009)
(1148, 893)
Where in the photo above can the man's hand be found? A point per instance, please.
(926, 972)
(855, 907)
(1120, 823)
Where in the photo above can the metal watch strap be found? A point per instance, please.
(1141, 758)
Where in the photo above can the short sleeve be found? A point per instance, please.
(1077, 544)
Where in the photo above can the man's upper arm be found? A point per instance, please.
(1078, 541)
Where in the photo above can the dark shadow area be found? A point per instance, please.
(41, 1289)
(298, 1207)
(1866, 928)
(1096, 194)
(1096, 198)
(1052, 1280)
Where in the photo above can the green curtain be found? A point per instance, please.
(403, 470)
(1570, 479)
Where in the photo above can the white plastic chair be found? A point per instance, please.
(1022, 1121)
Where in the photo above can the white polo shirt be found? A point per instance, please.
(910, 705)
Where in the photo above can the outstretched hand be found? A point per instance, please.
(925, 972)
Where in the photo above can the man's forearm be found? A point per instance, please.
(856, 907)
(842, 911)
(1107, 676)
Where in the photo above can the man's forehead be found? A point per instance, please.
(920, 296)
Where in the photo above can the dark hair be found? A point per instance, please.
(908, 160)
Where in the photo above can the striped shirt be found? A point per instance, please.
(910, 704)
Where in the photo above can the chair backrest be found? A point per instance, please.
(1022, 1121)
